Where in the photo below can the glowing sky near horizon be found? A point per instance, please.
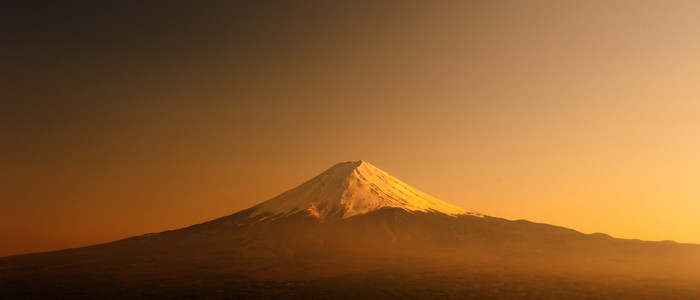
(122, 118)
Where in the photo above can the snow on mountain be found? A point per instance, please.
(353, 188)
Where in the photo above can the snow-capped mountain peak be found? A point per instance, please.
(352, 188)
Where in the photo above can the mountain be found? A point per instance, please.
(354, 188)
(355, 231)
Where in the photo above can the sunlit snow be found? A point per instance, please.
(352, 188)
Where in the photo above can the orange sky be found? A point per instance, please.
(121, 118)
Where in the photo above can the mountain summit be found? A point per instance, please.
(353, 188)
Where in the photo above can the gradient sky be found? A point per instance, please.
(123, 118)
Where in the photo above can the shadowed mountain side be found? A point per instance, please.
(300, 247)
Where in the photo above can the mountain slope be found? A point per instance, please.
(356, 223)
